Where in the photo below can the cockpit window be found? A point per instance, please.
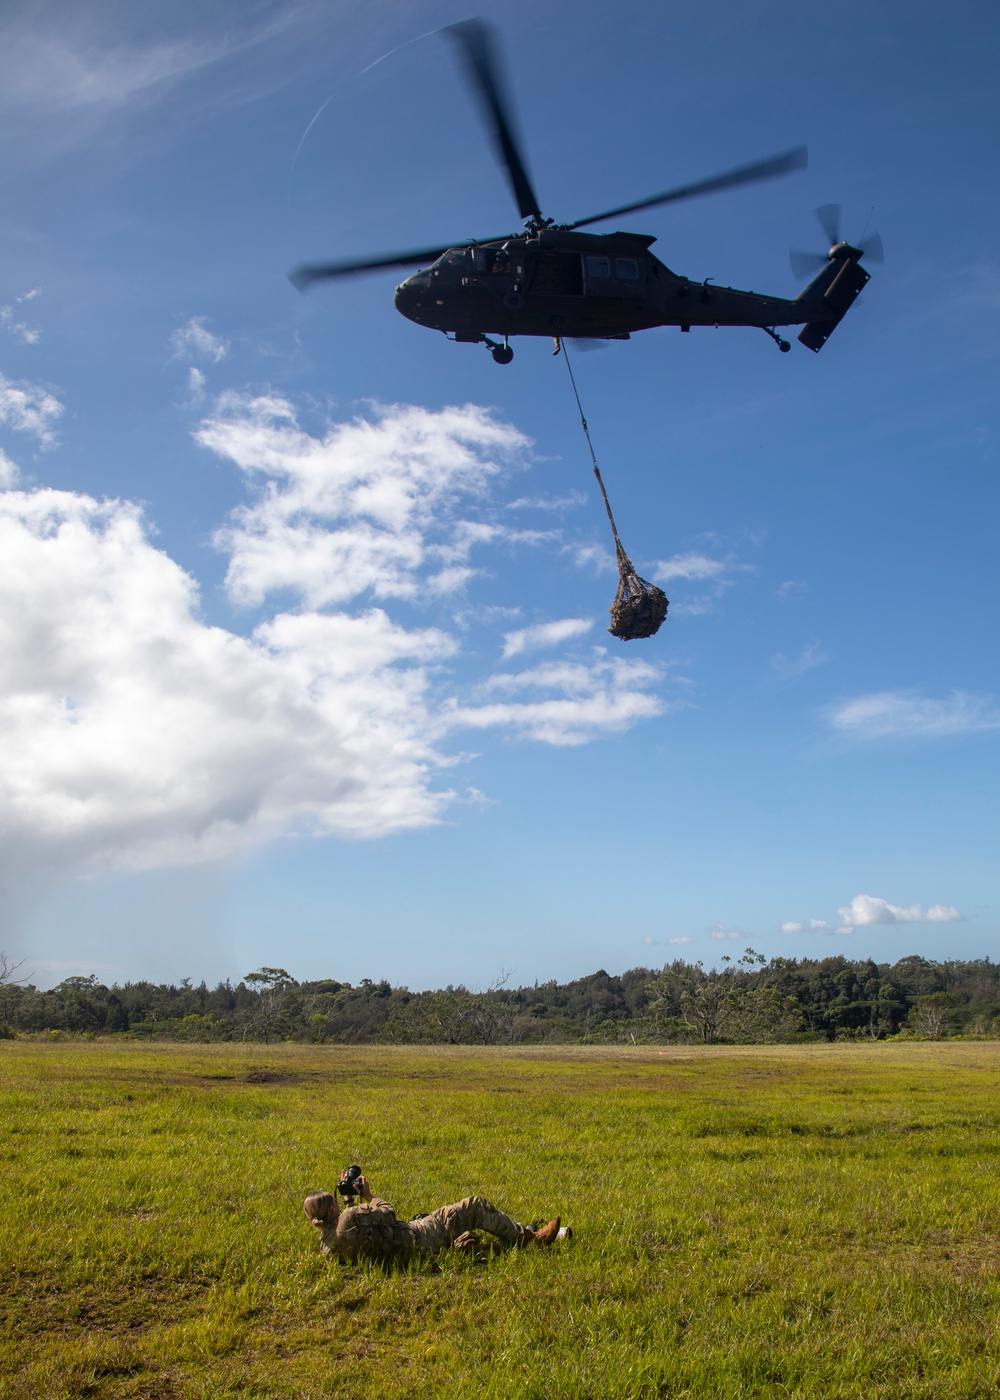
(627, 269)
(457, 257)
(598, 267)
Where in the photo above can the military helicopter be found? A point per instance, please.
(551, 280)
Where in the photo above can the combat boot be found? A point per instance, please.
(547, 1234)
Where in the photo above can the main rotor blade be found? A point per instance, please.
(476, 41)
(304, 277)
(742, 175)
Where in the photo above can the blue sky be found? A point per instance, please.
(303, 606)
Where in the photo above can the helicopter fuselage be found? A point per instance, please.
(602, 286)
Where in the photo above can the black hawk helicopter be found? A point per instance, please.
(552, 281)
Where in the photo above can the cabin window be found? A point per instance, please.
(598, 267)
(627, 269)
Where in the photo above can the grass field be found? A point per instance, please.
(818, 1221)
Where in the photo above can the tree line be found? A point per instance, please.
(748, 1000)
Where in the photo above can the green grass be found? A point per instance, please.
(813, 1221)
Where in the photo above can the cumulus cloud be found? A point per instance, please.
(136, 734)
(194, 341)
(544, 634)
(680, 941)
(28, 408)
(370, 505)
(897, 714)
(723, 935)
(867, 909)
(9, 473)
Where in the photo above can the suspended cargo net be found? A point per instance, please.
(639, 606)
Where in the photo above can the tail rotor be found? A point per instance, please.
(806, 264)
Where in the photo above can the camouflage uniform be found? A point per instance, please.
(372, 1231)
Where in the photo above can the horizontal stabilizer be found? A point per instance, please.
(838, 297)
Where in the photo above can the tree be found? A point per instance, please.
(743, 1002)
(931, 1013)
(271, 985)
(7, 979)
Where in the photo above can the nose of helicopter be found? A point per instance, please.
(410, 295)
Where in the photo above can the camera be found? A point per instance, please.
(348, 1183)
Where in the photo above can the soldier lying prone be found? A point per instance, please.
(370, 1230)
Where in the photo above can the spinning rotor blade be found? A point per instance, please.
(479, 49)
(743, 175)
(304, 277)
(871, 248)
(829, 222)
(806, 264)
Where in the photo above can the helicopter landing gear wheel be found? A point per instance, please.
(782, 344)
(503, 354)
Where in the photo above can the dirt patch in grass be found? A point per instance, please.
(33, 1308)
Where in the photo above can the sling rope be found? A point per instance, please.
(639, 607)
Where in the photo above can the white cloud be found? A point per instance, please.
(135, 734)
(790, 588)
(194, 341)
(544, 634)
(196, 384)
(567, 502)
(9, 472)
(20, 330)
(790, 667)
(85, 61)
(723, 935)
(606, 696)
(813, 926)
(680, 941)
(865, 909)
(28, 408)
(896, 714)
(694, 567)
(690, 566)
(367, 506)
